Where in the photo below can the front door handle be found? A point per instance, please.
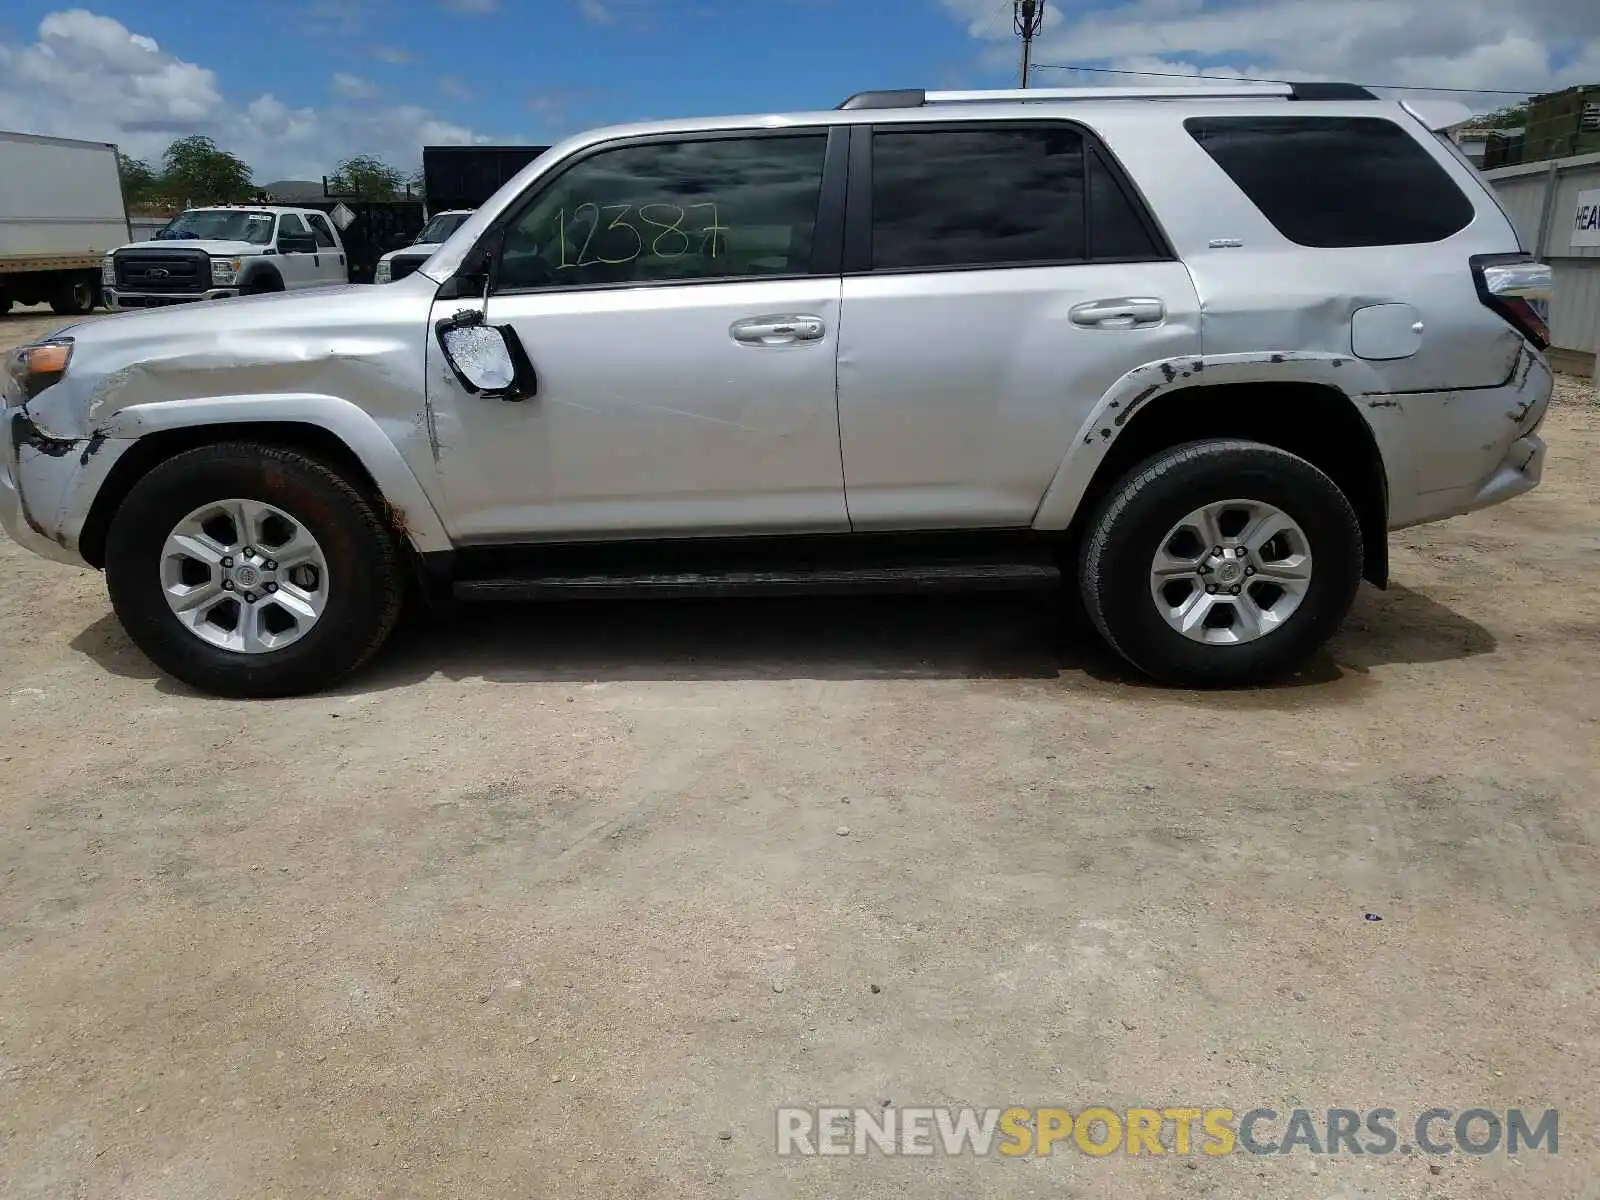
(778, 331)
(1125, 312)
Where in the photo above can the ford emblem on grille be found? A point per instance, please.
(158, 272)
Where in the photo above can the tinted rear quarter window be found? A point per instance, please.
(1337, 181)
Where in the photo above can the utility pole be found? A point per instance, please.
(1029, 17)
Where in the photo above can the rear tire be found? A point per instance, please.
(1163, 624)
(75, 299)
(355, 590)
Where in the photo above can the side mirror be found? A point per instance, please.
(486, 360)
(297, 243)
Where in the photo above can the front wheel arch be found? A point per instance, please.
(260, 280)
(153, 449)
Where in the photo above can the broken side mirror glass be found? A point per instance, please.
(486, 360)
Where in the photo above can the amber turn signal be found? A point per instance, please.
(49, 359)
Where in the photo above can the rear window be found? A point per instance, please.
(1337, 181)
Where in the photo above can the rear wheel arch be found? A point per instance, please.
(1315, 421)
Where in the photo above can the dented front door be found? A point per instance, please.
(678, 300)
(698, 409)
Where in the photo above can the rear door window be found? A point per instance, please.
(320, 227)
(1337, 181)
(983, 195)
(977, 197)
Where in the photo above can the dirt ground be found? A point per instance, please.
(564, 901)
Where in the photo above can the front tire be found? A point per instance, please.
(252, 571)
(263, 284)
(1221, 563)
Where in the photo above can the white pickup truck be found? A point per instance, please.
(213, 253)
(397, 264)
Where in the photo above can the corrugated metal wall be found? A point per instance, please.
(1542, 199)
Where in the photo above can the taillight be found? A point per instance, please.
(1518, 289)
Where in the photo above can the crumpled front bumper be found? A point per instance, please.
(16, 514)
(48, 483)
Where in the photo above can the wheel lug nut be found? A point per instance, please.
(227, 562)
(1249, 570)
(1211, 589)
(249, 551)
(250, 597)
(227, 585)
(271, 566)
(272, 587)
(1234, 590)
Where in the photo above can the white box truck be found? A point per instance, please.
(61, 213)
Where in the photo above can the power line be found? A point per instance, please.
(1399, 87)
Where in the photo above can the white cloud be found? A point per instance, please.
(1540, 44)
(596, 12)
(452, 87)
(393, 54)
(90, 76)
(353, 87)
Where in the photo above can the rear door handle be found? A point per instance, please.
(1124, 312)
(778, 331)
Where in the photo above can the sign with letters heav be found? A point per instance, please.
(1586, 225)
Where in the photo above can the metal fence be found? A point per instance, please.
(144, 228)
(1554, 207)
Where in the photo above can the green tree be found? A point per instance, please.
(140, 184)
(367, 176)
(1512, 116)
(197, 171)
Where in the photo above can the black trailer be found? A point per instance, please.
(465, 176)
(374, 228)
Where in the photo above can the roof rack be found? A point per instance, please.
(917, 98)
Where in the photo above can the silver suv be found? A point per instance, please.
(1197, 349)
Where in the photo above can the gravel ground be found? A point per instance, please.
(563, 901)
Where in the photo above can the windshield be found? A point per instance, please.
(440, 228)
(220, 224)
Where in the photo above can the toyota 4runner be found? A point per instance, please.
(1196, 349)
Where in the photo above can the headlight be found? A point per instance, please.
(36, 367)
(384, 273)
(108, 271)
(225, 271)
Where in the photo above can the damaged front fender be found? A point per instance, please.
(347, 361)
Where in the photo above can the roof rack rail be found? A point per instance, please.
(917, 98)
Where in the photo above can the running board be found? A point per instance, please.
(926, 577)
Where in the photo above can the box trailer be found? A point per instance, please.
(61, 213)
(456, 177)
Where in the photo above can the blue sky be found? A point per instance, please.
(293, 85)
(525, 70)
